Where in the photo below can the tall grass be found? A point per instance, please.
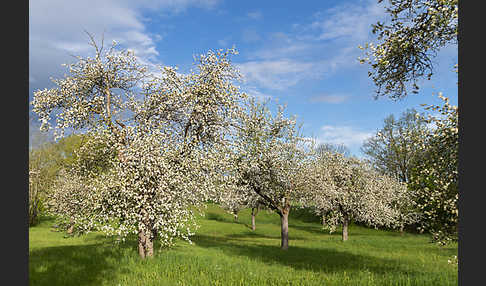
(225, 252)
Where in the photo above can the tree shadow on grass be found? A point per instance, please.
(315, 229)
(216, 217)
(252, 234)
(221, 218)
(304, 215)
(317, 260)
(393, 237)
(353, 231)
(77, 264)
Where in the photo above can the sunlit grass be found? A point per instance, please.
(229, 253)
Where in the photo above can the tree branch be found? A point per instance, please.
(271, 204)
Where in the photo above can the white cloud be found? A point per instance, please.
(255, 92)
(56, 31)
(278, 74)
(319, 48)
(330, 98)
(282, 72)
(346, 135)
(348, 21)
(281, 45)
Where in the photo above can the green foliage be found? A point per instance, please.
(426, 159)
(44, 163)
(68, 147)
(435, 178)
(415, 32)
(91, 158)
(396, 148)
(46, 160)
(407, 43)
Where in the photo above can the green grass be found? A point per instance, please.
(229, 253)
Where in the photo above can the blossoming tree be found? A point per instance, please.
(238, 197)
(165, 130)
(233, 201)
(269, 152)
(342, 189)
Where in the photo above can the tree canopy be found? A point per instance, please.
(396, 148)
(344, 189)
(435, 179)
(269, 152)
(160, 136)
(407, 43)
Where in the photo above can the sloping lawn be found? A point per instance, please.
(225, 252)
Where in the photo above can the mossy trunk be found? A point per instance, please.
(33, 214)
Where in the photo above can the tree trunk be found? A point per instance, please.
(401, 229)
(141, 244)
(149, 246)
(284, 220)
(323, 220)
(235, 216)
(345, 227)
(33, 212)
(145, 244)
(253, 214)
(71, 226)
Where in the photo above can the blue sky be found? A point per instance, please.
(301, 53)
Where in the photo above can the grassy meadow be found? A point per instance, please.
(225, 252)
